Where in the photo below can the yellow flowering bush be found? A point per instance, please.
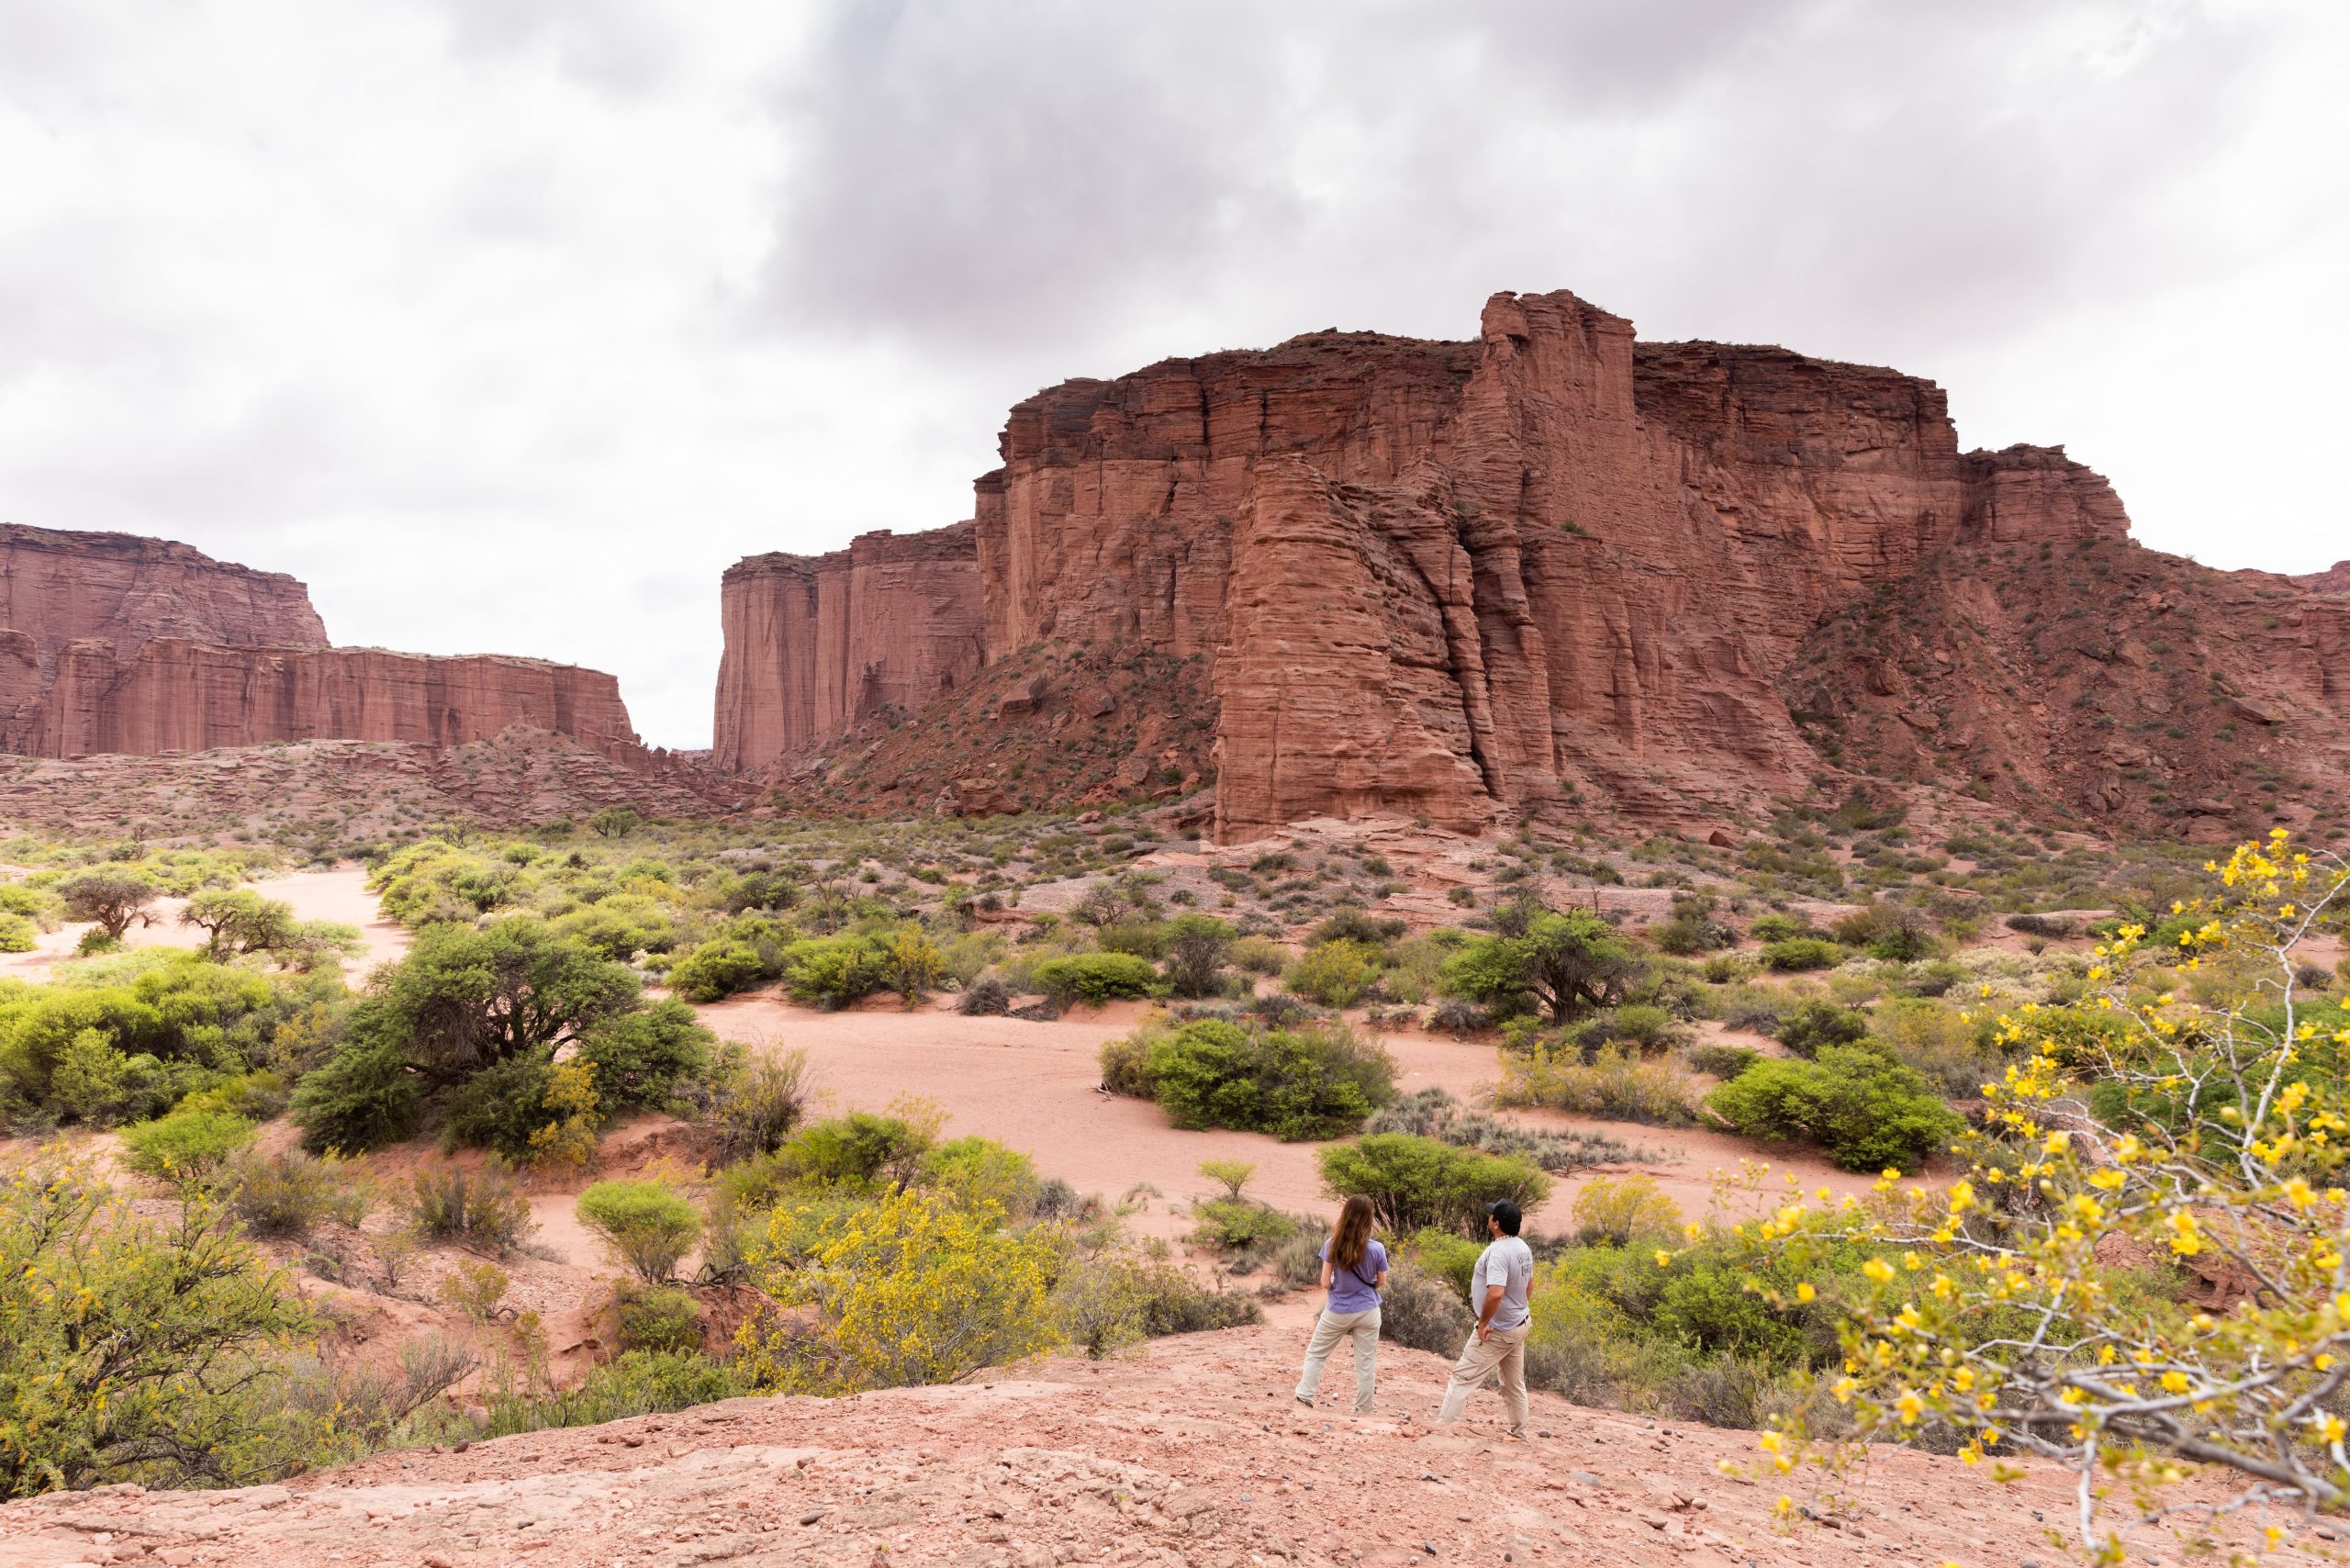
(914, 1289)
(2146, 1265)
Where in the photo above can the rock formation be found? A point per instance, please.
(815, 644)
(111, 643)
(2333, 579)
(1550, 569)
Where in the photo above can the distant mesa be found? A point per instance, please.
(2333, 579)
(1549, 570)
(112, 643)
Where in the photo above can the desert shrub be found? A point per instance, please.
(483, 1208)
(1566, 964)
(1125, 1063)
(1642, 1027)
(752, 1103)
(1955, 1054)
(1144, 938)
(1755, 1009)
(646, 1226)
(663, 1318)
(18, 934)
(2049, 925)
(1420, 1312)
(287, 1196)
(186, 1145)
(1096, 977)
(860, 1151)
(363, 1098)
(1110, 1302)
(987, 997)
(1619, 1210)
(1777, 927)
(475, 1289)
(1297, 1261)
(1727, 968)
(1447, 1256)
(828, 972)
(1721, 1061)
(1196, 950)
(1239, 1225)
(1458, 1018)
(978, 1173)
(1815, 1024)
(1434, 1112)
(1259, 956)
(716, 969)
(1867, 1110)
(1418, 1183)
(637, 1382)
(1692, 927)
(1293, 1083)
(239, 920)
(257, 1096)
(1334, 973)
(502, 1107)
(908, 1291)
(646, 1058)
(1619, 1085)
(1800, 953)
(135, 1350)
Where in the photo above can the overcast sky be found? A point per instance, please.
(508, 324)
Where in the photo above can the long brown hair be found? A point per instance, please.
(1353, 1235)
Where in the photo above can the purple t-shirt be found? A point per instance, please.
(1350, 1289)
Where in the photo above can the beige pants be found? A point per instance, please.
(1329, 1330)
(1501, 1350)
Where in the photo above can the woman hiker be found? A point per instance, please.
(1354, 1268)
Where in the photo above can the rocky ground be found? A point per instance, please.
(1192, 1452)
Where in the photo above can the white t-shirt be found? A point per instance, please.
(1508, 1263)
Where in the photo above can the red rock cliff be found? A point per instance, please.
(1457, 580)
(816, 643)
(115, 643)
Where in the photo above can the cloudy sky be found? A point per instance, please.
(508, 324)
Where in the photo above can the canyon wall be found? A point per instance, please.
(111, 643)
(1552, 567)
(815, 644)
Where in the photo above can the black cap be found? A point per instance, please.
(1508, 1214)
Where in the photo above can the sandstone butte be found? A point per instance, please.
(112, 643)
(1550, 569)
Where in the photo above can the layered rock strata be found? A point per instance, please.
(111, 644)
(1551, 568)
(815, 644)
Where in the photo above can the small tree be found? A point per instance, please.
(916, 966)
(648, 1227)
(1232, 1175)
(1566, 964)
(113, 898)
(239, 920)
(1196, 946)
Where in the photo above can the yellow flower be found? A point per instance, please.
(1880, 1270)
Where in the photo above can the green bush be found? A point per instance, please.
(1641, 1026)
(1194, 952)
(286, 1195)
(665, 1318)
(1619, 1210)
(1293, 1083)
(1801, 953)
(646, 1058)
(979, 1171)
(1421, 1312)
(715, 969)
(500, 1108)
(1815, 1024)
(363, 1098)
(1239, 1224)
(1125, 1064)
(18, 934)
(483, 1208)
(1868, 1111)
(135, 1350)
(1447, 1255)
(464, 998)
(1418, 1183)
(186, 1145)
(648, 1227)
(1617, 1084)
(1097, 978)
(1566, 964)
(859, 1151)
(638, 1383)
(1334, 973)
(1778, 927)
(829, 972)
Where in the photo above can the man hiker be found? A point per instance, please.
(1498, 1288)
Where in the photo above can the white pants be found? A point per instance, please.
(1501, 1350)
(1329, 1330)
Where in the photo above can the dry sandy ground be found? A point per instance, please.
(1031, 1086)
(1191, 1452)
(339, 895)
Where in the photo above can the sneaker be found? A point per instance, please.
(1302, 1400)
